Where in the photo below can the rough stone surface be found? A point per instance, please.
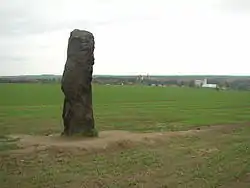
(76, 84)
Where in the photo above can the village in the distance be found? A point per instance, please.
(201, 81)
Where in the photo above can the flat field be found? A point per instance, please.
(216, 155)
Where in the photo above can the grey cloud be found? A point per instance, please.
(21, 18)
(16, 26)
(10, 58)
(26, 26)
(235, 5)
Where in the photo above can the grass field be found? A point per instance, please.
(214, 158)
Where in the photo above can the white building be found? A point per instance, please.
(198, 83)
(204, 84)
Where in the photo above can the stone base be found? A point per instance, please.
(89, 133)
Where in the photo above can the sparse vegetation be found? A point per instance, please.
(214, 158)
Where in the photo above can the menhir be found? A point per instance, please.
(76, 84)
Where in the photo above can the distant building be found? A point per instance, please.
(204, 84)
(140, 78)
(198, 83)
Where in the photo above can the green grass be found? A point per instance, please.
(37, 108)
(205, 160)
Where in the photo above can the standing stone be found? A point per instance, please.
(76, 85)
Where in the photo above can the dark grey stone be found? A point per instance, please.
(76, 84)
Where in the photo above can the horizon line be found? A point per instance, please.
(234, 75)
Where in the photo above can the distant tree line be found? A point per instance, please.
(7, 80)
(236, 83)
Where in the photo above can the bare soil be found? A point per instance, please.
(105, 140)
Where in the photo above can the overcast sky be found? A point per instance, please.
(132, 36)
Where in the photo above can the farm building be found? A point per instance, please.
(198, 83)
(204, 84)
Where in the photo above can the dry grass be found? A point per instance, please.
(193, 159)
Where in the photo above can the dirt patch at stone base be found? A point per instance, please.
(106, 139)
